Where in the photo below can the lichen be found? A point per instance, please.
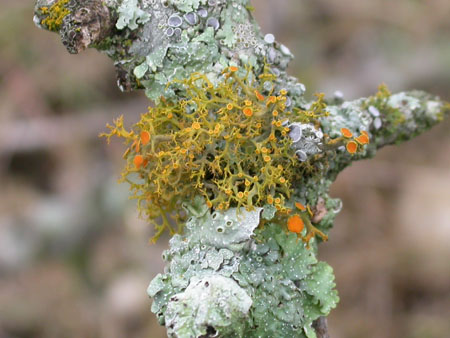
(231, 143)
(236, 154)
(53, 16)
(131, 15)
(207, 298)
(288, 287)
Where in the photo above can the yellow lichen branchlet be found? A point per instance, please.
(227, 143)
(55, 15)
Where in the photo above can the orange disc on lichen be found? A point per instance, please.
(363, 139)
(295, 224)
(352, 147)
(300, 206)
(248, 111)
(233, 69)
(138, 161)
(346, 132)
(196, 125)
(145, 137)
(271, 99)
(259, 96)
(365, 133)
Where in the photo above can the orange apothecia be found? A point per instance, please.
(300, 206)
(271, 99)
(138, 161)
(362, 139)
(259, 96)
(145, 137)
(346, 133)
(295, 224)
(352, 147)
(247, 111)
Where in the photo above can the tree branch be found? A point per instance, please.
(239, 273)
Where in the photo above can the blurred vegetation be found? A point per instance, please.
(74, 257)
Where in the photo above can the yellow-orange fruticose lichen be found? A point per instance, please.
(223, 142)
(55, 15)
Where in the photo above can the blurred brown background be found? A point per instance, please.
(74, 257)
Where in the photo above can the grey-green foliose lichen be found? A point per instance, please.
(265, 280)
(153, 42)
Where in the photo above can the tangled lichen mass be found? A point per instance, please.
(229, 143)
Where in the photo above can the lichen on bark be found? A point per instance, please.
(246, 267)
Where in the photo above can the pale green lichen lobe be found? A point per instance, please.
(217, 302)
(131, 15)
